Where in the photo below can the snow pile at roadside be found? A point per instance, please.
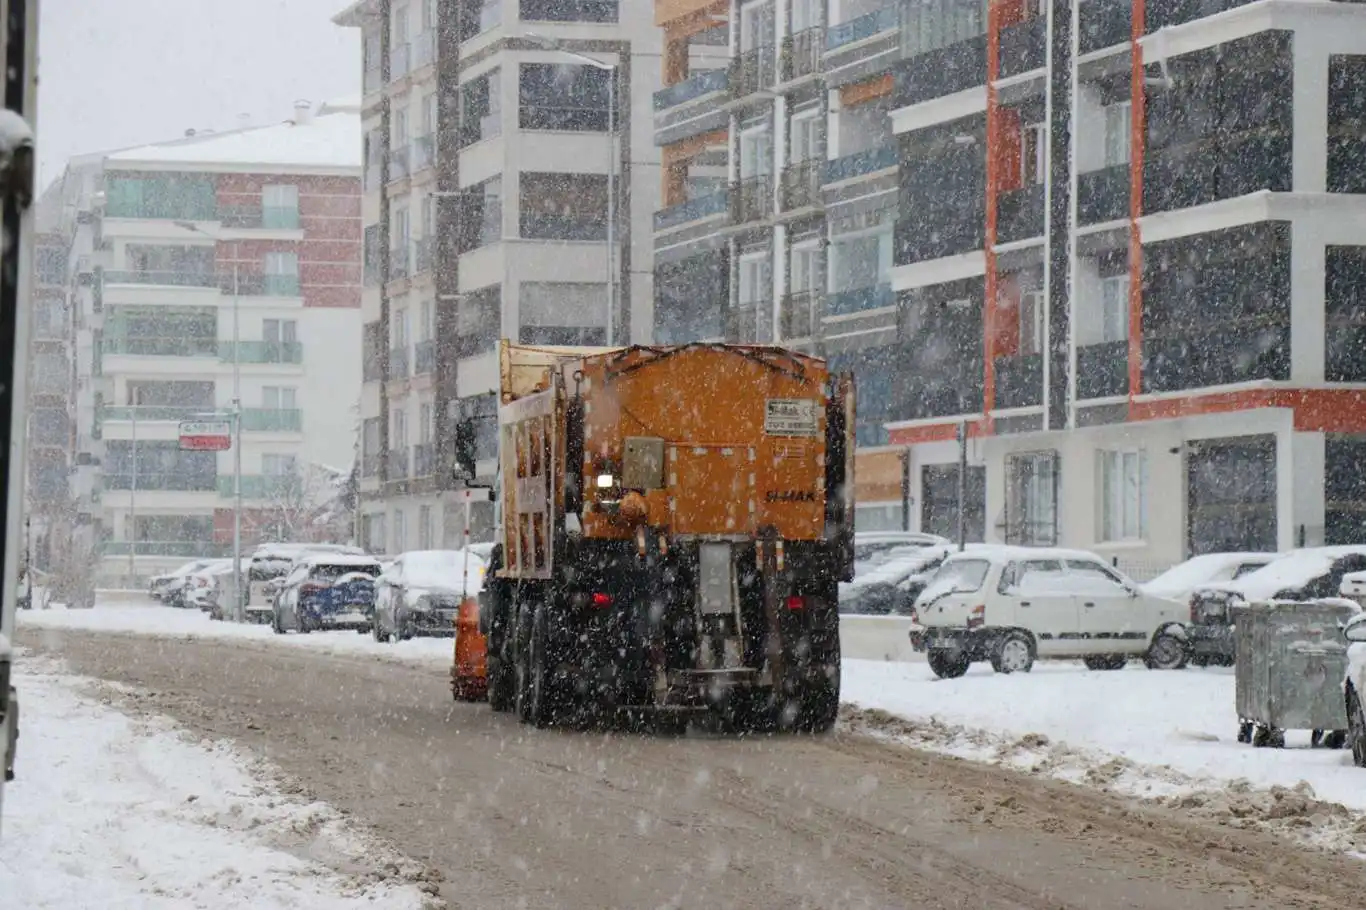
(109, 810)
(152, 619)
(1165, 737)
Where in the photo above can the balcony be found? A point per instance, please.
(262, 352)
(752, 71)
(272, 420)
(398, 262)
(399, 57)
(261, 486)
(751, 199)
(424, 459)
(543, 226)
(948, 396)
(799, 315)
(398, 163)
(398, 363)
(862, 28)
(162, 279)
(938, 73)
(801, 185)
(183, 549)
(269, 217)
(1103, 195)
(1022, 47)
(424, 358)
(372, 370)
(422, 256)
(695, 86)
(1103, 369)
(424, 50)
(1104, 23)
(160, 482)
(396, 464)
(369, 465)
(802, 53)
(858, 300)
(860, 164)
(1019, 214)
(423, 153)
(155, 413)
(159, 347)
(1019, 381)
(742, 322)
(692, 210)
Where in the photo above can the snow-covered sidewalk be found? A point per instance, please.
(113, 811)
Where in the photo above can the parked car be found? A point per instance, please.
(270, 563)
(1178, 582)
(1306, 574)
(170, 587)
(209, 588)
(420, 592)
(889, 581)
(327, 591)
(870, 543)
(1014, 605)
(1354, 687)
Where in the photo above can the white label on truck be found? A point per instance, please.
(791, 417)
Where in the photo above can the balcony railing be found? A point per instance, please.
(541, 226)
(397, 464)
(1103, 195)
(272, 420)
(153, 413)
(941, 72)
(424, 357)
(1019, 381)
(280, 286)
(692, 210)
(799, 315)
(399, 57)
(751, 71)
(398, 262)
(159, 347)
(742, 322)
(184, 549)
(398, 363)
(398, 163)
(861, 163)
(162, 278)
(1020, 214)
(424, 459)
(423, 153)
(695, 86)
(263, 352)
(844, 303)
(1103, 369)
(802, 53)
(160, 481)
(271, 217)
(751, 199)
(801, 186)
(863, 27)
(261, 486)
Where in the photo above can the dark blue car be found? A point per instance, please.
(327, 591)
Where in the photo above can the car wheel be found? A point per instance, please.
(1356, 729)
(1167, 652)
(1013, 653)
(1105, 661)
(948, 664)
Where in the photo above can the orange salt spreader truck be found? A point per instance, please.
(673, 526)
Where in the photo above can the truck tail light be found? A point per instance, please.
(978, 616)
(600, 600)
(796, 603)
(1194, 610)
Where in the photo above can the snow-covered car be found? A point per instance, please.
(210, 588)
(1354, 687)
(270, 563)
(326, 590)
(1178, 582)
(888, 582)
(420, 593)
(170, 588)
(1307, 574)
(870, 543)
(1014, 605)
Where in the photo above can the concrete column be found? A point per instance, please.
(1307, 509)
(1308, 323)
(1310, 118)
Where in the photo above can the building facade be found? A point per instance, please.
(1119, 245)
(493, 131)
(215, 269)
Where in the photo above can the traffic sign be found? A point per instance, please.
(206, 435)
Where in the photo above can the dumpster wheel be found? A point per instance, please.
(1266, 737)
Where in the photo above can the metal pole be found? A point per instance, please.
(132, 504)
(962, 486)
(611, 204)
(465, 582)
(906, 489)
(238, 608)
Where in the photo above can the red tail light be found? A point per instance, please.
(600, 600)
(796, 603)
(978, 616)
(310, 588)
(1193, 609)
(915, 615)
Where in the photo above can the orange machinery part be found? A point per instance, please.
(469, 672)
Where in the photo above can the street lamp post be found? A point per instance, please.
(238, 606)
(553, 44)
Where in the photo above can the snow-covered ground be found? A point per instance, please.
(1166, 736)
(111, 810)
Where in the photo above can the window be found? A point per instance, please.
(1114, 308)
(563, 206)
(807, 14)
(400, 229)
(1117, 123)
(398, 129)
(281, 398)
(278, 465)
(933, 24)
(756, 152)
(400, 532)
(562, 96)
(168, 197)
(427, 326)
(807, 131)
(569, 10)
(756, 26)
(563, 313)
(478, 322)
(398, 328)
(1122, 481)
(425, 423)
(424, 527)
(280, 331)
(860, 260)
(756, 280)
(282, 264)
(808, 269)
(1032, 499)
(481, 107)
(1033, 154)
(281, 275)
(376, 535)
(398, 424)
(280, 206)
(1034, 576)
(1032, 311)
(429, 15)
(399, 34)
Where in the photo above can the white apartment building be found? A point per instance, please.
(177, 249)
(489, 141)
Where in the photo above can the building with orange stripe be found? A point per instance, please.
(1127, 254)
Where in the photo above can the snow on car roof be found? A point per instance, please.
(325, 558)
(998, 552)
(1186, 576)
(897, 568)
(1290, 570)
(440, 568)
(330, 141)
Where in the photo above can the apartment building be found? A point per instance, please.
(216, 268)
(500, 138)
(1119, 246)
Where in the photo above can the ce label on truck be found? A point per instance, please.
(791, 417)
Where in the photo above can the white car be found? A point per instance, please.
(1014, 605)
(419, 593)
(170, 588)
(1354, 687)
(1181, 580)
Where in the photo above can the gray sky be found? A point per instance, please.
(116, 73)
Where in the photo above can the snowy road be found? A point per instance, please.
(514, 817)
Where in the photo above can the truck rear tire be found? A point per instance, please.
(538, 709)
(502, 675)
(820, 706)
